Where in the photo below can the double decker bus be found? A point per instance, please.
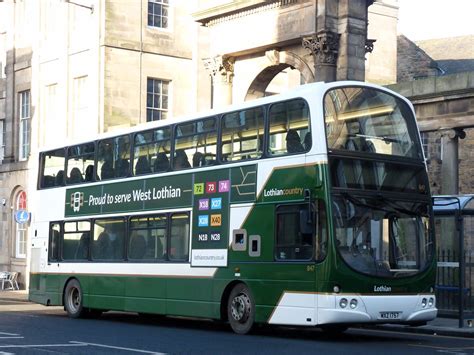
(309, 208)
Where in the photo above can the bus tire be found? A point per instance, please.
(241, 309)
(73, 300)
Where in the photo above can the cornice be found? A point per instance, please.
(236, 9)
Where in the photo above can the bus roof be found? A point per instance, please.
(317, 89)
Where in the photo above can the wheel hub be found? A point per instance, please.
(240, 308)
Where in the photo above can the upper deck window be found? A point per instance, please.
(289, 128)
(195, 144)
(152, 151)
(113, 159)
(80, 163)
(242, 134)
(52, 168)
(366, 120)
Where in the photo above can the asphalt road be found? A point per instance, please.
(48, 330)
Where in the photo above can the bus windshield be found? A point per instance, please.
(361, 119)
(382, 237)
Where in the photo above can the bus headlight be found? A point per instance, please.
(343, 303)
(353, 303)
(431, 302)
(424, 302)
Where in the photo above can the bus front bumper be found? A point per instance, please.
(316, 309)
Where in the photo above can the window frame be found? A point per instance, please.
(98, 155)
(24, 115)
(268, 112)
(315, 217)
(176, 137)
(130, 230)
(169, 17)
(68, 157)
(58, 243)
(63, 232)
(42, 165)
(134, 147)
(93, 242)
(265, 135)
(21, 229)
(160, 110)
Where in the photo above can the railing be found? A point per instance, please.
(455, 298)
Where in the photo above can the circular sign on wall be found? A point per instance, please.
(22, 216)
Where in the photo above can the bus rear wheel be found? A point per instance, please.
(241, 309)
(73, 300)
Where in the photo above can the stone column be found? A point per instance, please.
(222, 74)
(353, 15)
(324, 47)
(450, 161)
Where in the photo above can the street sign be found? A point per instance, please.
(22, 216)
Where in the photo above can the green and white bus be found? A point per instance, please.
(309, 208)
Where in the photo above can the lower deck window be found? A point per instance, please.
(150, 238)
(109, 236)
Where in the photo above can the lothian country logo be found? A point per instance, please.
(77, 201)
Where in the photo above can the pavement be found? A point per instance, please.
(11, 301)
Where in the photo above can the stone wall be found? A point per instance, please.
(413, 62)
(441, 104)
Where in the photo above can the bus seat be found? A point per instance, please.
(89, 176)
(137, 247)
(181, 160)
(107, 171)
(161, 163)
(82, 250)
(293, 142)
(59, 180)
(122, 167)
(142, 166)
(48, 181)
(75, 176)
(104, 250)
(198, 160)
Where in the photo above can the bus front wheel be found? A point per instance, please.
(241, 309)
(73, 299)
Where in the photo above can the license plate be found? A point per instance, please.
(390, 315)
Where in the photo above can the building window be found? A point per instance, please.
(157, 94)
(24, 99)
(21, 228)
(158, 12)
